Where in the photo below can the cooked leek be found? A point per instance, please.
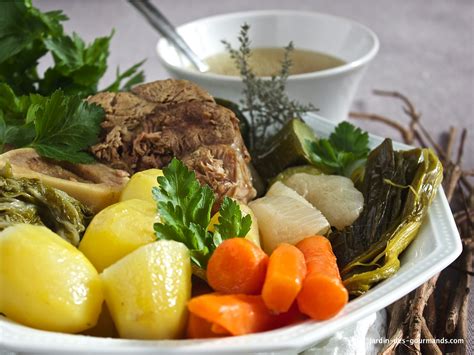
(398, 188)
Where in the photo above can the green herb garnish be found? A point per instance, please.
(27, 34)
(184, 207)
(345, 145)
(59, 127)
(265, 100)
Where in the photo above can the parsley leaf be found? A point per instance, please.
(23, 29)
(14, 108)
(231, 222)
(59, 127)
(347, 137)
(346, 145)
(184, 207)
(66, 126)
(27, 34)
(132, 77)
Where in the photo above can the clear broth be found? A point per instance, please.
(267, 62)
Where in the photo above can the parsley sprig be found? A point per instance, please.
(27, 35)
(59, 127)
(346, 145)
(184, 208)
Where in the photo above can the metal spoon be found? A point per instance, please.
(164, 26)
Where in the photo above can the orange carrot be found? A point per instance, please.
(285, 274)
(221, 315)
(238, 314)
(237, 266)
(292, 316)
(199, 328)
(323, 295)
(217, 329)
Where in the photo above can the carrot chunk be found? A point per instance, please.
(199, 328)
(238, 314)
(235, 315)
(323, 295)
(285, 274)
(237, 266)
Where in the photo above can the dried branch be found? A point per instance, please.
(416, 312)
(394, 341)
(431, 346)
(407, 136)
(461, 333)
(409, 107)
(455, 306)
(452, 177)
(430, 313)
(451, 139)
(461, 146)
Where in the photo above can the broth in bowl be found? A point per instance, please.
(330, 90)
(267, 62)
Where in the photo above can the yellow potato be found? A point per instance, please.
(141, 185)
(253, 234)
(117, 231)
(46, 283)
(147, 291)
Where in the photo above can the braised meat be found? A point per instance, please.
(157, 121)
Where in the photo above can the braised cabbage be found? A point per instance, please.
(24, 200)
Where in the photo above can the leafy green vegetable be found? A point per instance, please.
(398, 188)
(59, 127)
(66, 126)
(131, 76)
(22, 29)
(29, 201)
(184, 207)
(345, 145)
(27, 34)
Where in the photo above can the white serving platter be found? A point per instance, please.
(437, 245)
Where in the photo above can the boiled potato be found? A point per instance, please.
(253, 234)
(46, 283)
(117, 231)
(147, 291)
(141, 185)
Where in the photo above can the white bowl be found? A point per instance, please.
(330, 90)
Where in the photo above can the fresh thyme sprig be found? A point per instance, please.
(264, 99)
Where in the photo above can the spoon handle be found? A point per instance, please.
(164, 26)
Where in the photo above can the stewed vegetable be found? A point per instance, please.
(398, 188)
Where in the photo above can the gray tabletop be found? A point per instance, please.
(427, 51)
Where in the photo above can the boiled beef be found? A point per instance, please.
(157, 121)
